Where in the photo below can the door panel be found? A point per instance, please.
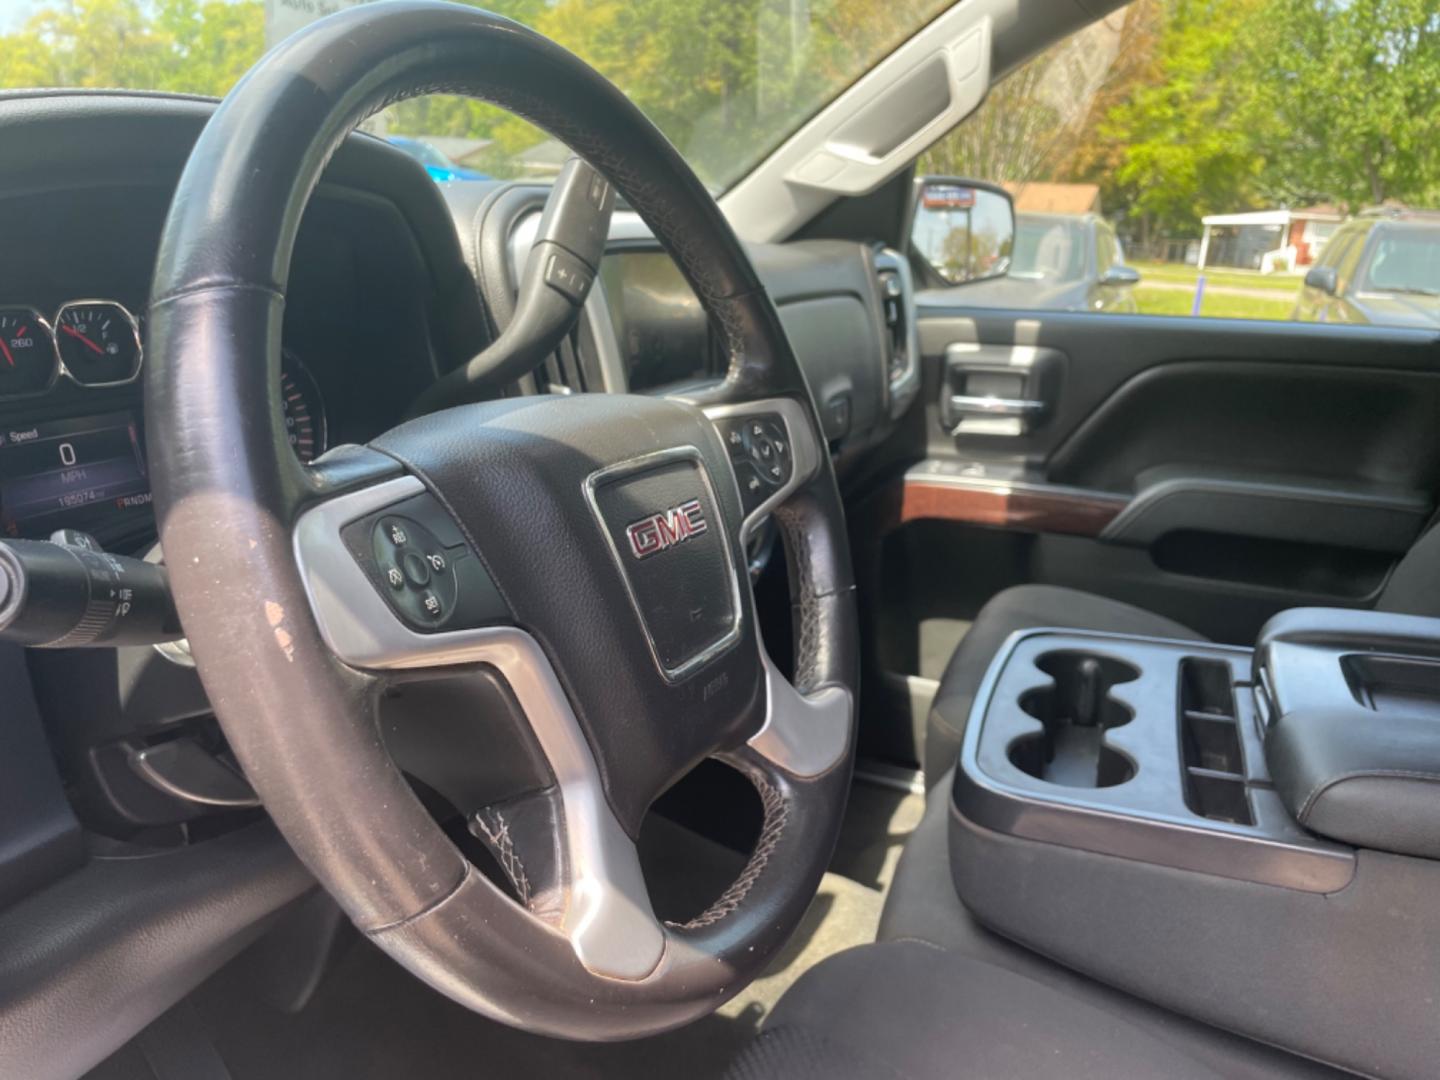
(1213, 471)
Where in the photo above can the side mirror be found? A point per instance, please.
(1120, 276)
(963, 229)
(1322, 278)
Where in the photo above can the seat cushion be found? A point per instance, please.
(1024, 607)
(923, 905)
(909, 1010)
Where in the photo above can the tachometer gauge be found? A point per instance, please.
(99, 342)
(28, 361)
(302, 410)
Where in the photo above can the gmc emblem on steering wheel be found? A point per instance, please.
(654, 534)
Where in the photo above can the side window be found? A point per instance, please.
(1204, 133)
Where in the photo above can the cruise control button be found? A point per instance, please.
(753, 490)
(431, 605)
(567, 275)
(395, 578)
(427, 513)
(437, 562)
(396, 532)
(417, 570)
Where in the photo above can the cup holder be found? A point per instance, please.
(1076, 710)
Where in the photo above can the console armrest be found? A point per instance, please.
(1374, 785)
(1353, 732)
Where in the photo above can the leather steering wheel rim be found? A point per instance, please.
(230, 496)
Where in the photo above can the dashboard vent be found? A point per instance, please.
(576, 366)
(562, 369)
(902, 344)
(892, 292)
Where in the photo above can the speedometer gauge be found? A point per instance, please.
(302, 410)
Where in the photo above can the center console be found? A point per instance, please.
(1251, 837)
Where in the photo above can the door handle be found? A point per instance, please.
(1013, 408)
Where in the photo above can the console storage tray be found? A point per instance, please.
(1141, 748)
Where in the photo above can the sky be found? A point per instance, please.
(14, 12)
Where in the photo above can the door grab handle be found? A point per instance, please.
(966, 405)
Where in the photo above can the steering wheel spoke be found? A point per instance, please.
(566, 854)
(804, 734)
(572, 867)
(773, 452)
(392, 579)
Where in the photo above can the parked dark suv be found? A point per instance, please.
(1382, 269)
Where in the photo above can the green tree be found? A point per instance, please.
(1354, 89)
(1190, 140)
(196, 46)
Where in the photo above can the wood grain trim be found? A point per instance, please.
(1031, 509)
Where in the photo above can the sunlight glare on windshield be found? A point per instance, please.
(726, 80)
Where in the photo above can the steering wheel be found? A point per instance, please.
(587, 549)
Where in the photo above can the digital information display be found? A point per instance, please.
(660, 326)
(83, 473)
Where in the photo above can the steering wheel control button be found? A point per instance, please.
(423, 568)
(759, 448)
(568, 275)
(426, 511)
(417, 569)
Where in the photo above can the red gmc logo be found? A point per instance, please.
(666, 529)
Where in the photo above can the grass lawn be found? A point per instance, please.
(1186, 275)
(1173, 302)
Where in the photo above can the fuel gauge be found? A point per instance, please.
(28, 362)
(99, 342)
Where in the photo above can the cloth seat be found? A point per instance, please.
(942, 997)
(907, 1010)
(1023, 607)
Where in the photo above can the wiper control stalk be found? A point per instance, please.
(65, 593)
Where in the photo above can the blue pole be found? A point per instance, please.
(1199, 295)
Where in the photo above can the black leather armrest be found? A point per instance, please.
(1242, 503)
(1352, 701)
(1370, 780)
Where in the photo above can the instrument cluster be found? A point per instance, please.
(91, 342)
(66, 465)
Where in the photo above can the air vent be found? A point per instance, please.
(902, 347)
(576, 366)
(562, 369)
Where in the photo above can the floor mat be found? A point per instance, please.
(371, 1020)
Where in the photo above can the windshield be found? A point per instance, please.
(1047, 248)
(726, 80)
(1406, 261)
(422, 152)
